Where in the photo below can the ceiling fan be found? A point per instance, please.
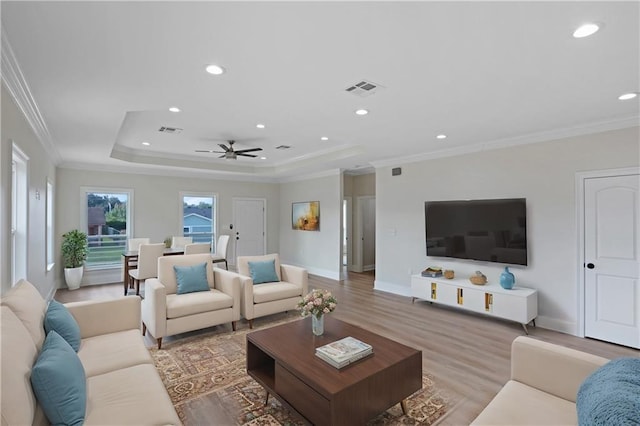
(229, 153)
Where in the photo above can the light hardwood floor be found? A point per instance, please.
(468, 354)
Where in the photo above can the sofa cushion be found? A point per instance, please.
(275, 291)
(519, 404)
(182, 305)
(611, 394)
(243, 263)
(263, 271)
(131, 396)
(26, 302)
(59, 319)
(59, 382)
(18, 355)
(113, 351)
(167, 275)
(191, 279)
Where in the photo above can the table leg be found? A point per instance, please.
(403, 405)
(125, 279)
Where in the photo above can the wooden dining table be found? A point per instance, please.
(132, 255)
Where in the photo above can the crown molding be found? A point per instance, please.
(19, 90)
(318, 175)
(584, 129)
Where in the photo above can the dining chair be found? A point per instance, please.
(180, 242)
(133, 244)
(196, 248)
(147, 263)
(221, 251)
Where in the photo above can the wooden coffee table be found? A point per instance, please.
(282, 359)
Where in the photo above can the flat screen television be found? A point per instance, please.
(486, 230)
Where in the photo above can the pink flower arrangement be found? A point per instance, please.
(318, 303)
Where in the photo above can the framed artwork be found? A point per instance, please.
(305, 216)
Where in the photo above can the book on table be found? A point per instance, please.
(344, 351)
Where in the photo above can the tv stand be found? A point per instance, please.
(518, 304)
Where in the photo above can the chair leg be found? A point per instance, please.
(226, 266)
(159, 339)
(233, 325)
(126, 285)
(137, 287)
(144, 329)
(250, 323)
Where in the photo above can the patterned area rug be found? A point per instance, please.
(212, 365)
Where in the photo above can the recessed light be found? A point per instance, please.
(627, 96)
(263, 158)
(260, 126)
(362, 112)
(174, 109)
(146, 143)
(324, 138)
(215, 69)
(586, 30)
(441, 136)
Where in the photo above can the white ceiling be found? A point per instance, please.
(103, 75)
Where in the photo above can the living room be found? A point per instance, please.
(545, 161)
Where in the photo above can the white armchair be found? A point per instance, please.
(258, 300)
(164, 312)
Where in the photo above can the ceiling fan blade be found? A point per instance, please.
(209, 151)
(245, 155)
(223, 156)
(248, 150)
(223, 146)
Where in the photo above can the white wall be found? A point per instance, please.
(15, 128)
(157, 204)
(543, 173)
(318, 251)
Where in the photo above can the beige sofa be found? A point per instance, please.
(544, 383)
(269, 298)
(122, 384)
(164, 312)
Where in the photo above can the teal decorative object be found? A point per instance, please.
(507, 280)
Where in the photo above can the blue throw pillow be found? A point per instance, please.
(59, 382)
(611, 395)
(59, 318)
(191, 278)
(263, 272)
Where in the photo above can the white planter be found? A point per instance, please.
(73, 276)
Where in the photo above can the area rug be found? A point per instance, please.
(212, 366)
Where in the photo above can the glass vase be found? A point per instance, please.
(317, 325)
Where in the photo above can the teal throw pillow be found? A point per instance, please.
(611, 394)
(263, 272)
(59, 318)
(59, 383)
(191, 278)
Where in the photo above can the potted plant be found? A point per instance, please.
(74, 253)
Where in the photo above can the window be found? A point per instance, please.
(107, 222)
(49, 237)
(199, 217)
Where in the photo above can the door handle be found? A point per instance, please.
(590, 265)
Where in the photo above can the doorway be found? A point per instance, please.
(366, 241)
(249, 224)
(610, 251)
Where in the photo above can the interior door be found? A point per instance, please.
(612, 262)
(368, 233)
(249, 226)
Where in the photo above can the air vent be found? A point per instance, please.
(283, 147)
(164, 129)
(363, 88)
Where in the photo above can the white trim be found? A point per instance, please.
(555, 324)
(580, 261)
(326, 173)
(586, 129)
(49, 238)
(20, 249)
(21, 93)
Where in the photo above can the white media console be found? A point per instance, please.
(518, 304)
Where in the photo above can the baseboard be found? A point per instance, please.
(369, 267)
(326, 273)
(392, 288)
(97, 277)
(557, 325)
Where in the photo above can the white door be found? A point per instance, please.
(248, 227)
(612, 262)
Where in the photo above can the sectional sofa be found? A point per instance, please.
(121, 383)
